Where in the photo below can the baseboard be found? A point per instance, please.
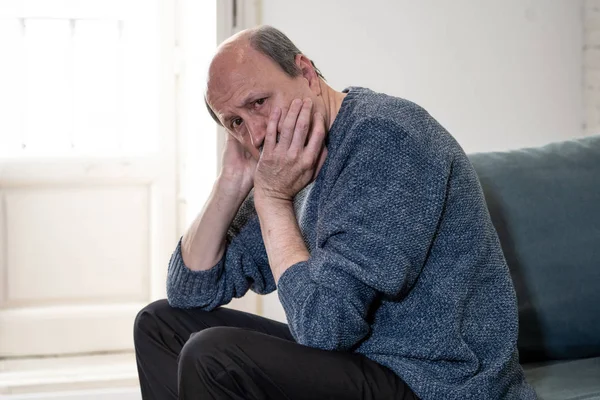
(105, 394)
(68, 377)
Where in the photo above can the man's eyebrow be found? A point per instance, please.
(249, 98)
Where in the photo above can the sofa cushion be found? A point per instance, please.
(565, 380)
(545, 205)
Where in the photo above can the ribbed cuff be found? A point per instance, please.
(187, 288)
(293, 287)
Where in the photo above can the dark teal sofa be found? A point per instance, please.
(545, 205)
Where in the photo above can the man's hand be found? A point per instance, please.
(287, 165)
(238, 167)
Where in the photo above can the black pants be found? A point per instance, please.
(228, 354)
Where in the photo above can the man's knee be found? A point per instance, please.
(209, 363)
(212, 347)
(146, 320)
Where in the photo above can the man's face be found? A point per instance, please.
(243, 88)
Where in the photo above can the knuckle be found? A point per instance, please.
(293, 153)
(302, 126)
(307, 163)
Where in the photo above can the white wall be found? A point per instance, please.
(496, 73)
(591, 66)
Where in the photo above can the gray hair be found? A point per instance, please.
(278, 47)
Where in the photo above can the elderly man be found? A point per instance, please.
(366, 216)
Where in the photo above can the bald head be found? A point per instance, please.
(234, 51)
(245, 45)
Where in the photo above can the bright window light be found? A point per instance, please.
(78, 78)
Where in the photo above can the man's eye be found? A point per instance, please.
(260, 102)
(236, 122)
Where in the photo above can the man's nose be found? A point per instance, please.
(257, 129)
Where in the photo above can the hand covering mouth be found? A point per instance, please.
(260, 149)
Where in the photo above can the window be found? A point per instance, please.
(69, 68)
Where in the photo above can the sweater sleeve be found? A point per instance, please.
(244, 266)
(375, 229)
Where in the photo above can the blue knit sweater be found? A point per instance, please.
(405, 265)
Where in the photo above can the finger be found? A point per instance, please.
(317, 137)
(229, 137)
(284, 112)
(287, 131)
(232, 142)
(271, 135)
(302, 126)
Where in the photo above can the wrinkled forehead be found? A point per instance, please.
(230, 75)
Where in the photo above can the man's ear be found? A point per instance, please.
(308, 72)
